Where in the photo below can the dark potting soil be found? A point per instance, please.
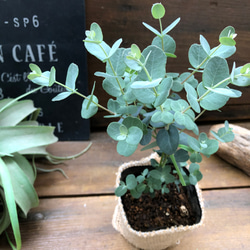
(178, 207)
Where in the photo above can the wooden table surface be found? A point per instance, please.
(76, 213)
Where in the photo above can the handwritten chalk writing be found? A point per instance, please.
(25, 22)
(48, 90)
(14, 77)
(34, 53)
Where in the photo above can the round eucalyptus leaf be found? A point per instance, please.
(229, 31)
(121, 190)
(131, 181)
(196, 55)
(163, 91)
(132, 122)
(184, 119)
(125, 149)
(223, 51)
(117, 131)
(155, 63)
(158, 11)
(145, 96)
(167, 44)
(168, 140)
(181, 155)
(111, 86)
(216, 70)
(97, 35)
(134, 135)
(228, 41)
(240, 80)
(195, 157)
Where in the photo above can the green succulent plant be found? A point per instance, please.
(146, 103)
(22, 140)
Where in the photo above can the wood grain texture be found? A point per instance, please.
(94, 172)
(124, 19)
(85, 224)
(236, 152)
(76, 213)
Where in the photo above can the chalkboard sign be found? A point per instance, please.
(47, 33)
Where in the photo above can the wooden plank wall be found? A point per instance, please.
(123, 18)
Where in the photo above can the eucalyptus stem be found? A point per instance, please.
(183, 183)
(81, 95)
(112, 68)
(162, 42)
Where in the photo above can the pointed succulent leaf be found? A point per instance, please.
(25, 197)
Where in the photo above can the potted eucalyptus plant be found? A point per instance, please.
(150, 112)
